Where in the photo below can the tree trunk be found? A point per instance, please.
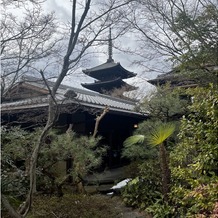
(80, 187)
(165, 170)
(12, 212)
(98, 119)
(27, 204)
(25, 207)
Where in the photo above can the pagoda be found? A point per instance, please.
(109, 76)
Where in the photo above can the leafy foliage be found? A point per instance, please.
(193, 164)
(17, 145)
(135, 147)
(145, 189)
(161, 209)
(159, 134)
(194, 159)
(146, 186)
(200, 31)
(85, 152)
(16, 149)
(136, 139)
(165, 104)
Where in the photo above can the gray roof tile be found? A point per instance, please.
(83, 97)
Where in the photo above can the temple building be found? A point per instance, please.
(188, 78)
(26, 105)
(109, 76)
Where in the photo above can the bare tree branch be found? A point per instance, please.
(98, 119)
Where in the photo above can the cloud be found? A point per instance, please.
(148, 70)
(61, 9)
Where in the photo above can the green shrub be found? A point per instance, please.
(16, 149)
(161, 209)
(194, 159)
(17, 146)
(144, 189)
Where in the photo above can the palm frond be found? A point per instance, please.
(160, 134)
(132, 140)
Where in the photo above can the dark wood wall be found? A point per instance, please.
(114, 128)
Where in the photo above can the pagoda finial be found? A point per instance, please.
(110, 46)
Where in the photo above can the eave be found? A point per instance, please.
(100, 86)
(71, 97)
(109, 69)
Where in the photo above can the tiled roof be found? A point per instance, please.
(80, 96)
(102, 66)
(107, 85)
(93, 72)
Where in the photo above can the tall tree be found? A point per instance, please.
(26, 39)
(88, 23)
(183, 30)
(165, 104)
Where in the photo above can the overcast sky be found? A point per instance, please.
(62, 10)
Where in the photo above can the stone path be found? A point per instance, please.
(99, 182)
(123, 211)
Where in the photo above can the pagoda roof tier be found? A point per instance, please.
(100, 86)
(108, 71)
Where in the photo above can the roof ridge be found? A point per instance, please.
(81, 91)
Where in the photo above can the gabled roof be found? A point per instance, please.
(67, 95)
(109, 68)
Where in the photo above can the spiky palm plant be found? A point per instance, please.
(156, 137)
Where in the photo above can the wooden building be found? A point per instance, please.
(27, 103)
(189, 77)
(175, 80)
